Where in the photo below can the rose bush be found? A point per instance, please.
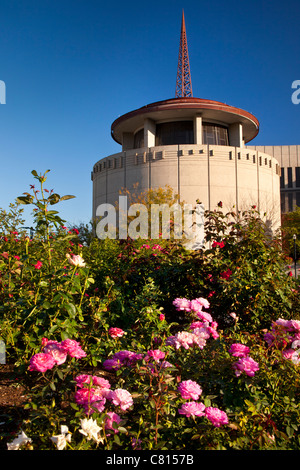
(127, 344)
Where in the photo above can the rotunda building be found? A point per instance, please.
(196, 146)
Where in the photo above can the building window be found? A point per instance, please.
(138, 139)
(174, 133)
(290, 199)
(282, 178)
(298, 198)
(290, 178)
(297, 177)
(213, 134)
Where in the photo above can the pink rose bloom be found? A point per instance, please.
(41, 362)
(155, 354)
(192, 408)
(121, 397)
(295, 324)
(213, 332)
(84, 396)
(285, 323)
(216, 416)
(199, 303)
(112, 364)
(186, 340)
(156, 247)
(239, 350)
(189, 390)
(269, 338)
(73, 348)
(76, 260)
(110, 419)
(116, 332)
(57, 351)
(127, 358)
(92, 399)
(247, 365)
(196, 324)
(96, 406)
(93, 380)
(204, 316)
(182, 304)
(38, 265)
(288, 353)
(101, 382)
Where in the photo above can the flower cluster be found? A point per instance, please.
(93, 392)
(201, 329)
(55, 353)
(285, 335)
(245, 363)
(190, 390)
(122, 359)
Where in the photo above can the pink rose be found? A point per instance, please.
(239, 350)
(155, 354)
(77, 260)
(116, 332)
(73, 348)
(216, 416)
(182, 304)
(247, 365)
(121, 397)
(57, 351)
(189, 389)
(192, 408)
(111, 420)
(41, 362)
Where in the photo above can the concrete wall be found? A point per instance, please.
(237, 176)
(288, 157)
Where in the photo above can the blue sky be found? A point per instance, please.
(72, 67)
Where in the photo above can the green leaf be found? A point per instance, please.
(54, 198)
(64, 198)
(24, 199)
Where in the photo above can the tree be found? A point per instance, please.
(290, 227)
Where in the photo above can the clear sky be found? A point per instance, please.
(71, 67)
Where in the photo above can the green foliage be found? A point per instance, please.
(64, 284)
(291, 227)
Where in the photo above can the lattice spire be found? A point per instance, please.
(184, 82)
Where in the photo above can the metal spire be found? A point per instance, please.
(184, 82)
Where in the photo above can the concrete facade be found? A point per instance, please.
(288, 157)
(235, 174)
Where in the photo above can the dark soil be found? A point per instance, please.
(12, 400)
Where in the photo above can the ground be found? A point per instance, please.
(12, 398)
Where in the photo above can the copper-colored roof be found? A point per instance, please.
(185, 108)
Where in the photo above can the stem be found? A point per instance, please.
(47, 226)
